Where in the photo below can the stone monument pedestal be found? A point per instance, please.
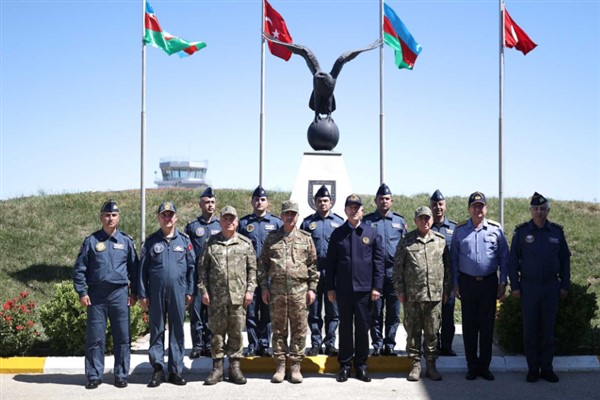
(321, 168)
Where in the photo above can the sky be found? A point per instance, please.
(71, 96)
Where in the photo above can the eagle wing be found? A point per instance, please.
(350, 55)
(309, 57)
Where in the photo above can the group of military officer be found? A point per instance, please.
(262, 273)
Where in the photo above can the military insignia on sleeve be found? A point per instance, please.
(312, 226)
(269, 227)
(178, 249)
(365, 240)
(158, 248)
(335, 225)
(100, 246)
(190, 247)
(449, 231)
(250, 228)
(554, 240)
(118, 246)
(200, 231)
(529, 239)
(396, 225)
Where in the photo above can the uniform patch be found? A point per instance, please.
(335, 225)
(529, 239)
(366, 240)
(100, 246)
(449, 231)
(312, 226)
(396, 225)
(215, 231)
(119, 246)
(200, 231)
(554, 240)
(250, 228)
(269, 227)
(158, 248)
(190, 247)
(178, 249)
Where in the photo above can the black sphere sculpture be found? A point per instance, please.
(323, 133)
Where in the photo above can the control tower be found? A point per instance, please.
(182, 173)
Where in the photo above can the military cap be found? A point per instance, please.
(423, 210)
(383, 190)
(228, 210)
(167, 206)
(109, 206)
(289, 205)
(437, 196)
(477, 197)
(537, 200)
(322, 192)
(208, 192)
(353, 199)
(259, 192)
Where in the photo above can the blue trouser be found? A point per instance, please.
(478, 301)
(539, 304)
(108, 301)
(258, 322)
(162, 303)
(315, 319)
(447, 325)
(200, 332)
(355, 311)
(392, 314)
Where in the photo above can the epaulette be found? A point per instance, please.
(339, 216)
(494, 223)
(191, 221)
(452, 222)
(520, 225)
(305, 233)
(275, 216)
(399, 215)
(436, 233)
(554, 224)
(241, 237)
(184, 234)
(126, 235)
(462, 223)
(308, 217)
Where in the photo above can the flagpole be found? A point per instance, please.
(501, 120)
(262, 98)
(381, 118)
(143, 134)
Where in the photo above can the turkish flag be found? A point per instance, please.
(275, 26)
(514, 36)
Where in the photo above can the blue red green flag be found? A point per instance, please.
(397, 36)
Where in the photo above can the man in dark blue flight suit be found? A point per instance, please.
(199, 230)
(445, 226)
(106, 264)
(166, 287)
(540, 271)
(391, 227)
(354, 274)
(256, 227)
(320, 225)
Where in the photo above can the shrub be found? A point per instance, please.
(64, 321)
(18, 320)
(573, 321)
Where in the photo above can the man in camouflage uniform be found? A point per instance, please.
(288, 277)
(423, 280)
(227, 280)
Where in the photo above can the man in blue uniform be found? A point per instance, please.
(441, 224)
(479, 251)
(354, 275)
(540, 272)
(256, 227)
(106, 264)
(320, 225)
(199, 230)
(391, 227)
(166, 287)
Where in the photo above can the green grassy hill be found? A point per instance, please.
(40, 236)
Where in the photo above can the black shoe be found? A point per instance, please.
(207, 352)
(471, 375)
(343, 375)
(550, 376)
(121, 383)
(331, 350)
(376, 352)
(486, 374)
(389, 351)
(313, 351)
(251, 352)
(363, 375)
(176, 379)
(158, 377)
(262, 352)
(532, 376)
(447, 353)
(93, 383)
(195, 353)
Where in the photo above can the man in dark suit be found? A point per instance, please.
(354, 273)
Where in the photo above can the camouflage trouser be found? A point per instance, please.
(422, 317)
(289, 308)
(230, 321)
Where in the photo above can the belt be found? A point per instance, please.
(477, 278)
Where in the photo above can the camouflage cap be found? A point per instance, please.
(423, 210)
(228, 210)
(289, 205)
(167, 206)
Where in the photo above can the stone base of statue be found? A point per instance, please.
(321, 168)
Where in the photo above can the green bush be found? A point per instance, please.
(573, 321)
(64, 322)
(18, 320)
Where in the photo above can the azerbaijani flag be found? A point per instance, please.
(395, 35)
(156, 37)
